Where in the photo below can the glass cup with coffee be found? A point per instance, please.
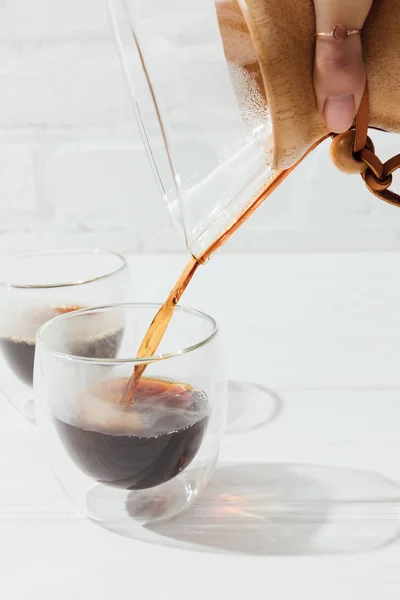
(128, 464)
(39, 286)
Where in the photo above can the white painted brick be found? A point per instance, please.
(104, 188)
(62, 85)
(17, 185)
(101, 185)
(48, 236)
(39, 19)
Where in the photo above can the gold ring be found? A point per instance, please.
(340, 33)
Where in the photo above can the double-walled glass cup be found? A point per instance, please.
(127, 464)
(38, 286)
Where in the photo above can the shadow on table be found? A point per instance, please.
(286, 509)
(250, 405)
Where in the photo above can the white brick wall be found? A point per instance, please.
(72, 167)
(45, 20)
(73, 170)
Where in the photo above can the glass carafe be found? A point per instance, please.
(196, 87)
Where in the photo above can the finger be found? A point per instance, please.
(339, 72)
(339, 79)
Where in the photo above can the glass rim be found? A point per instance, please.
(65, 251)
(135, 360)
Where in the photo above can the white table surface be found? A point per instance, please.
(306, 505)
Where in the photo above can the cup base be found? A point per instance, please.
(127, 513)
(28, 410)
(25, 406)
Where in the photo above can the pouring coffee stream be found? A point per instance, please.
(164, 315)
(158, 327)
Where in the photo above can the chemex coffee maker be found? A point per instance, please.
(227, 110)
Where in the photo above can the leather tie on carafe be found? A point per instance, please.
(354, 152)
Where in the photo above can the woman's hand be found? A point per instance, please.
(339, 73)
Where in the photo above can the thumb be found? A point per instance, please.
(339, 72)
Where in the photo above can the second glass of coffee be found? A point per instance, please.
(38, 286)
